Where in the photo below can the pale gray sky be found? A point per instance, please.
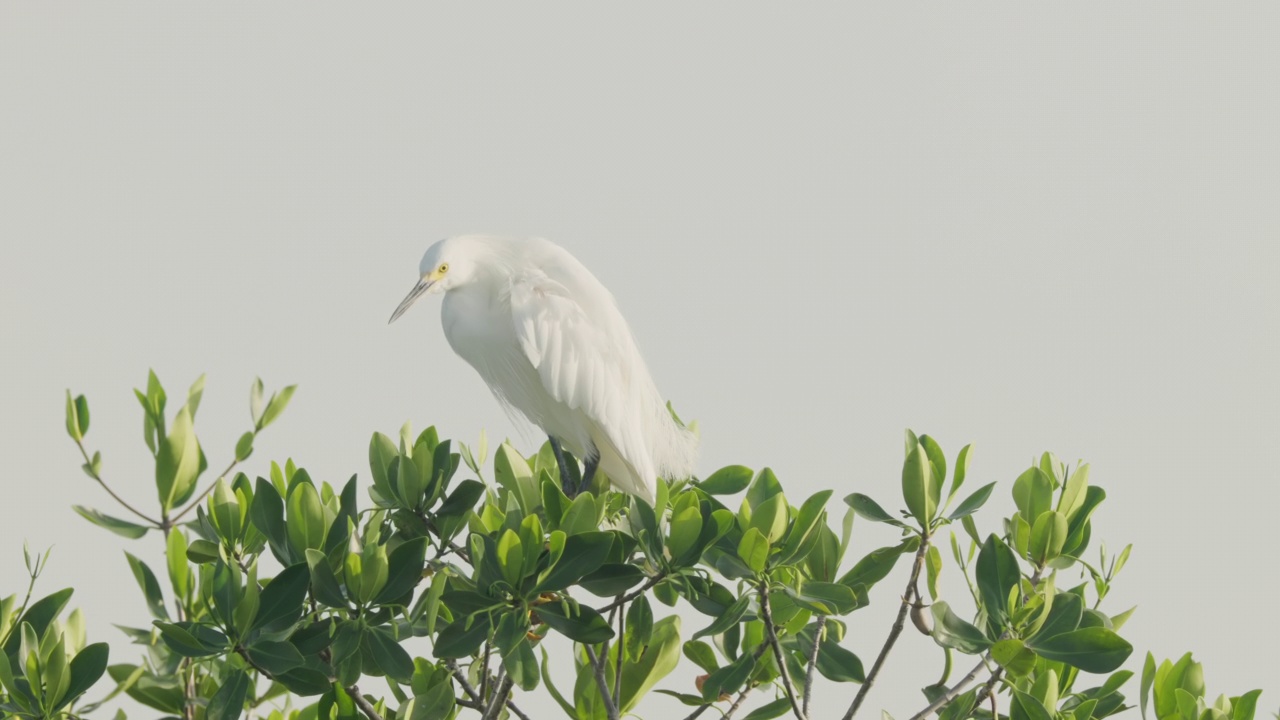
(1026, 227)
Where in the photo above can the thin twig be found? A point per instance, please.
(945, 698)
(597, 665)
(94, 474)
(617, 669)
(813, 659)
(894, 632)
(772, 637)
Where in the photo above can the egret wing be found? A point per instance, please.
(583, 355)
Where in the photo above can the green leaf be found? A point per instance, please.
(728, 480)
(73, 420)
(463, 637)
(228, 702)
(824, 598)
(1025, 707)
(639, 625)
(404, 570)
(754, 549)
(178, 462)
(770, 517)
(953, 632)
(38, 615)
(875, 566)
(973, 503)
(729, 619)
(658, 660)
(191, 640)
(775, 709)
(584, 624)
(1064, 616)
(918, 487)
(437, 702)
(583, 554)
(612, 579)
(1033, 493)
(150, 587)
(1014, 656)
(276, 405)
(1093, 650)
(1243, 707)
(728, 679)
(765, 486)
(280, 604)
(869, 509)
(1074, 492)
(274, 656)
(1148, 678)
(392, 659)
(1047, 536)
(324, 584)
(86, 668)
(997, 574)
(701, 654)
(124, 528)
(961, 471)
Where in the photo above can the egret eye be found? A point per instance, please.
(444, 268)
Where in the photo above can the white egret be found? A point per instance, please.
(550, 342)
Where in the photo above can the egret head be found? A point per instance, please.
(446, 265)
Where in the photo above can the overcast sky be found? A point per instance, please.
(1026, 227)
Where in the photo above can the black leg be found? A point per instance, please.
(566, 481)
(589, 473)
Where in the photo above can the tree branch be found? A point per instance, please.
(363, 703)
(894, 632)
(813, 660)
(772, 637)
(598, 665)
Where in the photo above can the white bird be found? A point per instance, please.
(550, 342)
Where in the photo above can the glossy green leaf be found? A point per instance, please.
(997, 573)
(753, 549)
(918, 487)
(953, 632)
(86, 668)
(281, 601)
(973, 503)
(1048, 536)
(729, 619)
(274, 656)
(658, 660)
(728, 480)
(150, 587)
(1093, 650)
(1014, 656)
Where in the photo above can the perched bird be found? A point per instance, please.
(550, 342)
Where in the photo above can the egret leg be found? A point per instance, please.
(589, 471)
(566, 481)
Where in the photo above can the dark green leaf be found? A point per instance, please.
(612, 579)
(998, 573)
(150, 587)
(874, 567)
(584, 625)
(918, 486)
(584, 553)
(86, 667)
(404, 570)
(274, 656)
(280, 603)
(460, 639)
(392, 659)
(228, 702)
(729, 619)
(1093, 650)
